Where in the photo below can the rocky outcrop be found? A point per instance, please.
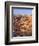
(22, 25)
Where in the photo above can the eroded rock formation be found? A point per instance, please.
(22, 25)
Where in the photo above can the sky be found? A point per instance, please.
(22, 11)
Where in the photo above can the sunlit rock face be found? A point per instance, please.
(22, 25)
